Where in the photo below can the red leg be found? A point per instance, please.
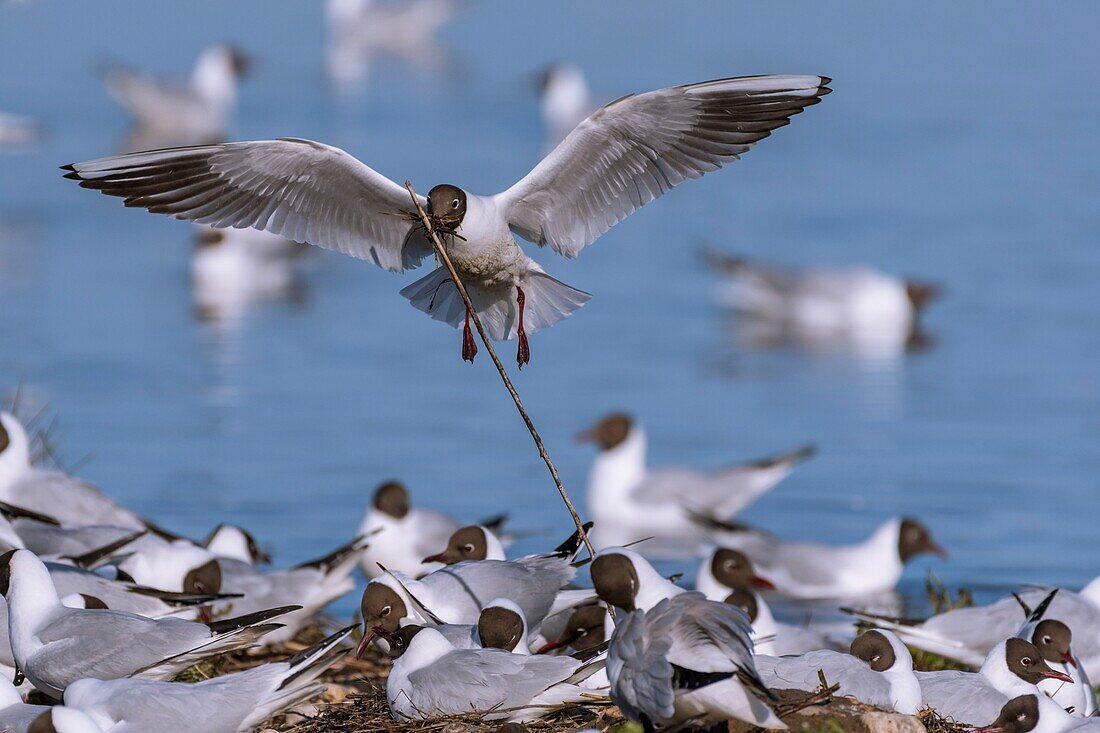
(469, 346)
(523, 352)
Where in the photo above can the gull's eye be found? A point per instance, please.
(385, 611)
(876, 657)
(1026, 661)
(467, 548)
(454, 204)
(1046, 639)
(583, 632)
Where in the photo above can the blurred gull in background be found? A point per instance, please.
(17, 131)
(170, 113)
(564, 100)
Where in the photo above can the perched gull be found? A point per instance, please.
(878, 671)
(476, 542)
(1031, 714)
(233, 703)
(564, 99)
(430, 678)
(727, 575)
(71, 501)
(812, 570)
(629, 501)
(197, 112)
(1013, 668)
(620, 158)
(682, 659)
(55, 645)
(967, 634)
(1054, 641)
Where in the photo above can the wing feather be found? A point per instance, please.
(638, 147)
(300, 189)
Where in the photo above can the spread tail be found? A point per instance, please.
(547, 299)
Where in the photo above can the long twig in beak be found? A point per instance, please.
(441, 253)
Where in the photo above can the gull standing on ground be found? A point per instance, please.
(967, 634)
(878, 671)
(69, 500)
(629, 501)
(175, 114)
(430, 678)
(813, 570)
(1013, 668)
(620, 158)
(233, 703)
(55, 645)
(727, 576)
(684, 658)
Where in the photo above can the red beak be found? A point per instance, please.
(1056, 675)
(938, 551)
(205, 615)
(551, 646)
(442, 557)
(368, 638)
(759, 582)
(584, 436)
(1067, 657)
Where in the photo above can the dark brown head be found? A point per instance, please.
(209, 238)
(734, 569)
(93, 602)
(42, 724)
(468, 543)
(240, 62)
(500, 628)
(447, 206)
(875, 649)
(744, 599)
(206, 578)
(5, 572)
(921, 293)
(5, 439)
(915, 539)
(615, 580)
(392, 499)
(1026, 662)
(1019, 715)
(381, 606)
(585, 628)
(400, 639)
(1053, 639)
(609, 432)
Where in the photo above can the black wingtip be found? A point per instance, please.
(73, 176)
(250, 619)
(68, 167)
(1041, 609)
(572, 545)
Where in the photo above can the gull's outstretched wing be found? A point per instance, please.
(302, 190)
(633, 150)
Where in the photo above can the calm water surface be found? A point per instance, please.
(959, 146)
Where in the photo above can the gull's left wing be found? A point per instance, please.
(633, 150)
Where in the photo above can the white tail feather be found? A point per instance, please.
(546, 301)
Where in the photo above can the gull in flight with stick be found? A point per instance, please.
(621, 157)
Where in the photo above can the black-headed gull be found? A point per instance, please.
(54, 645)
(564, 99)
(456, 594)
(967, 634)
(620, 158)
(404, 534)
(629, 501)
(877, 671)
(233, 703)
(813, 570)
(860, 305)
(235, 269)
(1054, 640)
(1029, 714)
(69, 500)
(476, 542)
(430, 678)
(1013, 667)
(199, 111)
(727, 575)
(682, 658)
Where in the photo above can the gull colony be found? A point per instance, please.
(103, 609)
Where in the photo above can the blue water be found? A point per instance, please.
(959, 146)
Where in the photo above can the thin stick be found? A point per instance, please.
(446, 260)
